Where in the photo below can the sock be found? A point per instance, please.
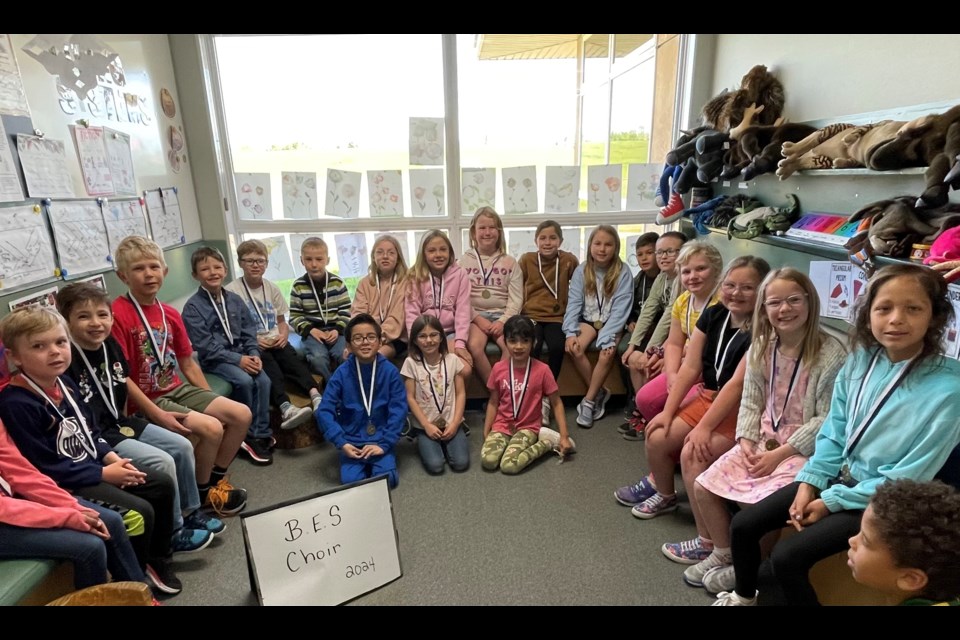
(284, 406)
(314, 392)
(706, 543)
(204, 490)
(217, 474)
(724, 553)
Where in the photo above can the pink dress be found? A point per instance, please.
(728, 476)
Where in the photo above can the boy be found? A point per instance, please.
(364, 406)
(154, 342)
(225, 339)
(269, 310)
(644, 248)
(909, 543)
(319, 309)
(513, 437)
(100, 370)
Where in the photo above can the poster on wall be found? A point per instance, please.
(26, 251)
(478, 189)
(123, 218)
(10, 189)
(46, 298)
(279, 266)
(343, 193)
(385, 189)
(13, 100)
(253, 195)
(642, 182)
(426, 192)
(426, 141)
(117, 145)
(44, 163)
(92, 152)
(352, 254)
(562, 190)
(163, 210)
(603, 187)
(80, 235)
(519, 189)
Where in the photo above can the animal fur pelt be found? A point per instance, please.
(758, 87)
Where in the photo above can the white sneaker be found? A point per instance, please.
(295, 416)
(720, 579)
(315, 401)
(731, 599)
(585, 414)
(545, 413)
(695, 574)
(552, 438)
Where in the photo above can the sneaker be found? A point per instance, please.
(633, 494)
(630, 422)
(293, 417)
(258, 450)
(186, 540)
(545, 413)
(673, 210)
(552, 438)
(687, 552)
(694, 575)
(585, 414)
(600, 403)
(161, 578)
(226, 500)
(200, 520)
(315, 401)
(465, 427)
(655, 505)
(272, 442)
(720, 579)
(731, 599)
(407, 430)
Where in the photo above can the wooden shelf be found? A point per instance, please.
(909, 171)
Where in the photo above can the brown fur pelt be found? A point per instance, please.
(759, 87)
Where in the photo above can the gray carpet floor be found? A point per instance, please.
(552, 535)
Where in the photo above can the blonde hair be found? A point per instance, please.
(420, 271)
(400, 270)
(252, 246)
(695, 248)
(493, 215)
(133, 248)
(28, 321)
(763, 332)
(613, 271)
(314, 242)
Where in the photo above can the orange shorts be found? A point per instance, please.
(694, 411)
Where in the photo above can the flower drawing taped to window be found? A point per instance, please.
(343, 193)
(299, 195)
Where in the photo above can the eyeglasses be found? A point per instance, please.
(370, 337)
(666, 252)
(259, 262)
(793, 302)
(425, 337)
(731, 287)
(380, 253)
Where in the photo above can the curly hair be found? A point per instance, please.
(919, 523)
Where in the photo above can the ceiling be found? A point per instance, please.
(546, 46)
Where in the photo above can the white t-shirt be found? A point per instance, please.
(444, 390)
(265, 303)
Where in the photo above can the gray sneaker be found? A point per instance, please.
(600, 403)
(585, 414)
(694, 574)
(293, 417)
(720, 579)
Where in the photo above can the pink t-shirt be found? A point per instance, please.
(540, 385)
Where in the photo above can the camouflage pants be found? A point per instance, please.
(512, 455)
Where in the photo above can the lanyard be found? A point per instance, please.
(256, 307)
(157, 351)
(367, 404)
(556, 277)
(690, 309)
(643, 291)
(776, 420)
(440, 403)
(393, 283)
(82, 429)
(111, 402)
(518, 404)
(871, 414)
(717, 368)
(437, 301)
(486, 274)
(222, 314)
(600, 301)
(326, 283)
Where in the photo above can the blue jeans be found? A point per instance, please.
(252, 391)
(171, 454)
(90, 555)
(319, 355)
(352, 470)
(433, 453)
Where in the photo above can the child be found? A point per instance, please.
(155, 343)
(790, 371)
(102, 373)
(319, 309)
(645, 251)
(57, 435)
(546, 288)
(651, 329)
(436, 395)
(496, 288)
(364, 406)
(38, 519)
(269, 310)
(907, 546)
(511, 431)
(601, 293)
(438, 286)
(697, 429)
(225, 339)
(893, 415)
(382, 295)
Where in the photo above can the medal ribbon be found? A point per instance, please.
(222, 314)
(256, 307)
(87, 444)
(868, 419)
(776, 420)
(517, 405)
(157, 351)
(367, 404)
(111, 401)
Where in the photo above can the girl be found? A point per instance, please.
(601, 293)
(496, 287)
(382, 295)
(436, 395)
(790, 370)
(439, 287)
(893, 415)
(698, 429)
(546, 286)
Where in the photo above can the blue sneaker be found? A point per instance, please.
(633, 494)
(205, 522)
(190, 540)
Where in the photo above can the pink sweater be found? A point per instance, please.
(455, 310)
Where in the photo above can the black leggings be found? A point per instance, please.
(282, 366)
(552, 334)
(792, 557)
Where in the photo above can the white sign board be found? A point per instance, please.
(323, 549)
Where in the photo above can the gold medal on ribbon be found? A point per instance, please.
(440, 423)
(556, 307)
(597, 325)
(127, 431)
(371, 429)
(771, 444)
(486, 293)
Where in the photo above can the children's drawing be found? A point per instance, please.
(253, 195)
(299, 195)
(403, 237)
(603, 183)
(386, 193)
(352, 254)
(117, 144)
(46, 298)
(343, 193)
(629, 253)
(279, 266)
(96, 279)
(10, 189)
(44, 163)
(562, 187)
(520, 241)
(80, 235)
(163, 210)
(519, 189)
(478, 188)
(642, 182)
(123, 218)
(571, 241)
(13, 99)
(94, 165)
(26, 251)
(426, 141)
(427, 192)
